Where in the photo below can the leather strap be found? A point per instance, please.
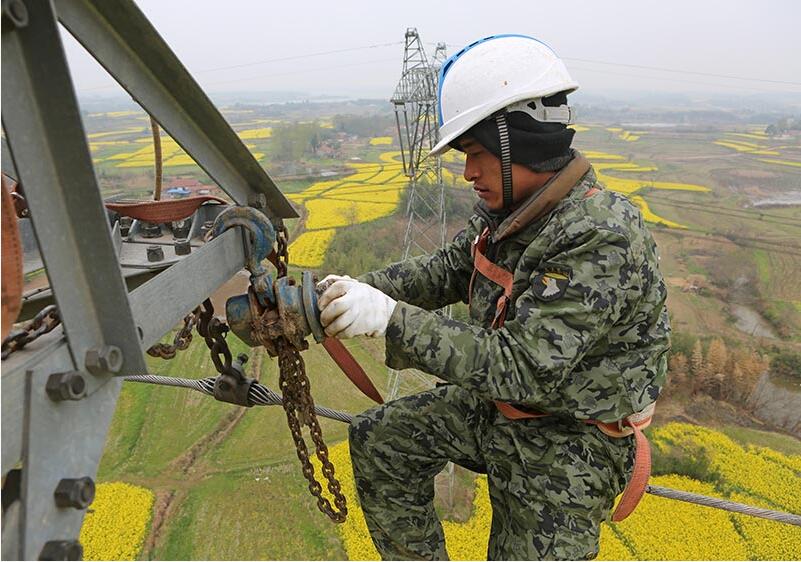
(512, 413)
(494, 273)
(12, 278)
(342, 357)
(167, 210)
(554, 190)
(639, 476)
(635, 489)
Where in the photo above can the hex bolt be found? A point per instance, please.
(75, 492)
(180, 229)
(16, 12)
(66, 386)
(61, 550)
(107, 359)
(182, 247)
(151, 230)
(155, 253)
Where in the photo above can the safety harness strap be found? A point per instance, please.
(12, 283)
(342, 357)
(494, 273)
(632, 425)
(642, 464)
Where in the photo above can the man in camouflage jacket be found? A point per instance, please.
(584, 337)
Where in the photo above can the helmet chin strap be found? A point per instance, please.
(506, 158)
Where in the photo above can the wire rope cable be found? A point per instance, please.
(260, 395)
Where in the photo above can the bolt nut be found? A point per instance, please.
(75, 492)
(16, 12)
(61, 550)
(180, 229)
(155, 253)
(257, 200)
(66, 386)
(151, 230)
(182, 247)
(107, 359)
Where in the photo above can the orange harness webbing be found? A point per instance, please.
(631, 425)
(12, 284)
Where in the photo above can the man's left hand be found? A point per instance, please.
(350, 308)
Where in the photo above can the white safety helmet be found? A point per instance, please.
(497, 72)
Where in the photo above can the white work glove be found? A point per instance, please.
(350, 308)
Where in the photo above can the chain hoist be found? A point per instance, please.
(279, 315)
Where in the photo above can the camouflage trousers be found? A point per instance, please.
(551, 481)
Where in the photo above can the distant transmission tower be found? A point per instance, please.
(415, 101)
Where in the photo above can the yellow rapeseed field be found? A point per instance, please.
(371, 192)
(115, 133)
(308, 250)
(780, 162)
(622, 134)
(263, 133)
(660, 529)
(115, 527)
(650, 216)
(381, 141)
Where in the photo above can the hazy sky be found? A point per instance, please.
(746, 39)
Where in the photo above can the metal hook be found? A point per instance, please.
(261, 241)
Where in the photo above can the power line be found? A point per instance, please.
(306, 56)
(700, 207)
(695, 73)
(273, 75)
(673, 70)
(674, 80)
(281, 59)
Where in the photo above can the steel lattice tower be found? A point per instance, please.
(415, 102)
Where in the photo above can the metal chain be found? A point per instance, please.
(45, 321)
(282, 253)
(299, 407)
(181, 340)
(213, 330)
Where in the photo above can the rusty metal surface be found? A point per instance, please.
(166, 210)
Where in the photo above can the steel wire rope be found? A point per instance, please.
(260, 395)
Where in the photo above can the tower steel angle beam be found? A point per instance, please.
(51, 441)
(55, 443)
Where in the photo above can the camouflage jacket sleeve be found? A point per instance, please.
(531, 358)
(431, 281)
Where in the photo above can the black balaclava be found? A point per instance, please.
(543, 147)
